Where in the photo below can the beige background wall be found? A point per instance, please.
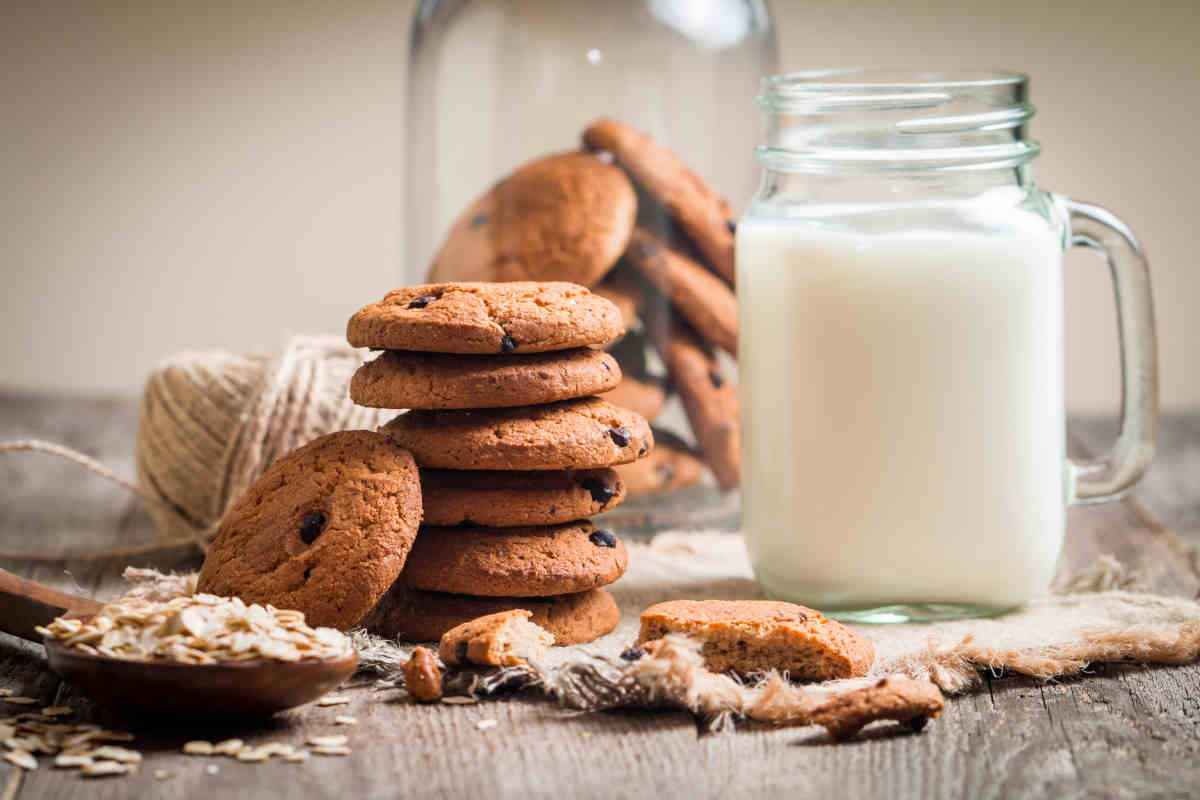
(198, 176)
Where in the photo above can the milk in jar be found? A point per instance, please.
(905, 378)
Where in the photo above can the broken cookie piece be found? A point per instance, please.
(423, 676)
(905, 700)
(748, 636)
(505, 639)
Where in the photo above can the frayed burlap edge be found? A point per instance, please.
(958, 667)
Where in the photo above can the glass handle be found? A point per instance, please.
(1108, 477)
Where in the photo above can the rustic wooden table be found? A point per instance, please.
(1120, 731)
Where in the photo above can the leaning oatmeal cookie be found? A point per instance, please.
(527, 317)
(506, 639)
(588, 433)
(710, 400)
(326, 530)
(747, 636)
(701, 297)
(562, 217)
(701, 212)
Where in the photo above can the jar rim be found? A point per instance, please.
(871, 78)
(823, 91)
(895, 120)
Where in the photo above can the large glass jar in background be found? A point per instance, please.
(495, 84)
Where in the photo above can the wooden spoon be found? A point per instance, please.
(235, 689)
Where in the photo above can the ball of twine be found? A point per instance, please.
(210, 423)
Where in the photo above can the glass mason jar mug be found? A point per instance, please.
(901, 354)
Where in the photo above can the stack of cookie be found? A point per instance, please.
(515, 451)
(627, 218)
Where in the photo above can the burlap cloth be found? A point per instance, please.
(1084, 621)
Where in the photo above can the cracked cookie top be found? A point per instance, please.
(521, 317)
(325, 530)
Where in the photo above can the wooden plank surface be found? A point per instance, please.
(1121, 731)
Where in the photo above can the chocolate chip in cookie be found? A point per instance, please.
(620, 436)
(602, 538)
(602, 487)
(312, 525)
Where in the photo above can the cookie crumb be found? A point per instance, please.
(333, 700)
(505, 639)
(423, 676)
(910, 702)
